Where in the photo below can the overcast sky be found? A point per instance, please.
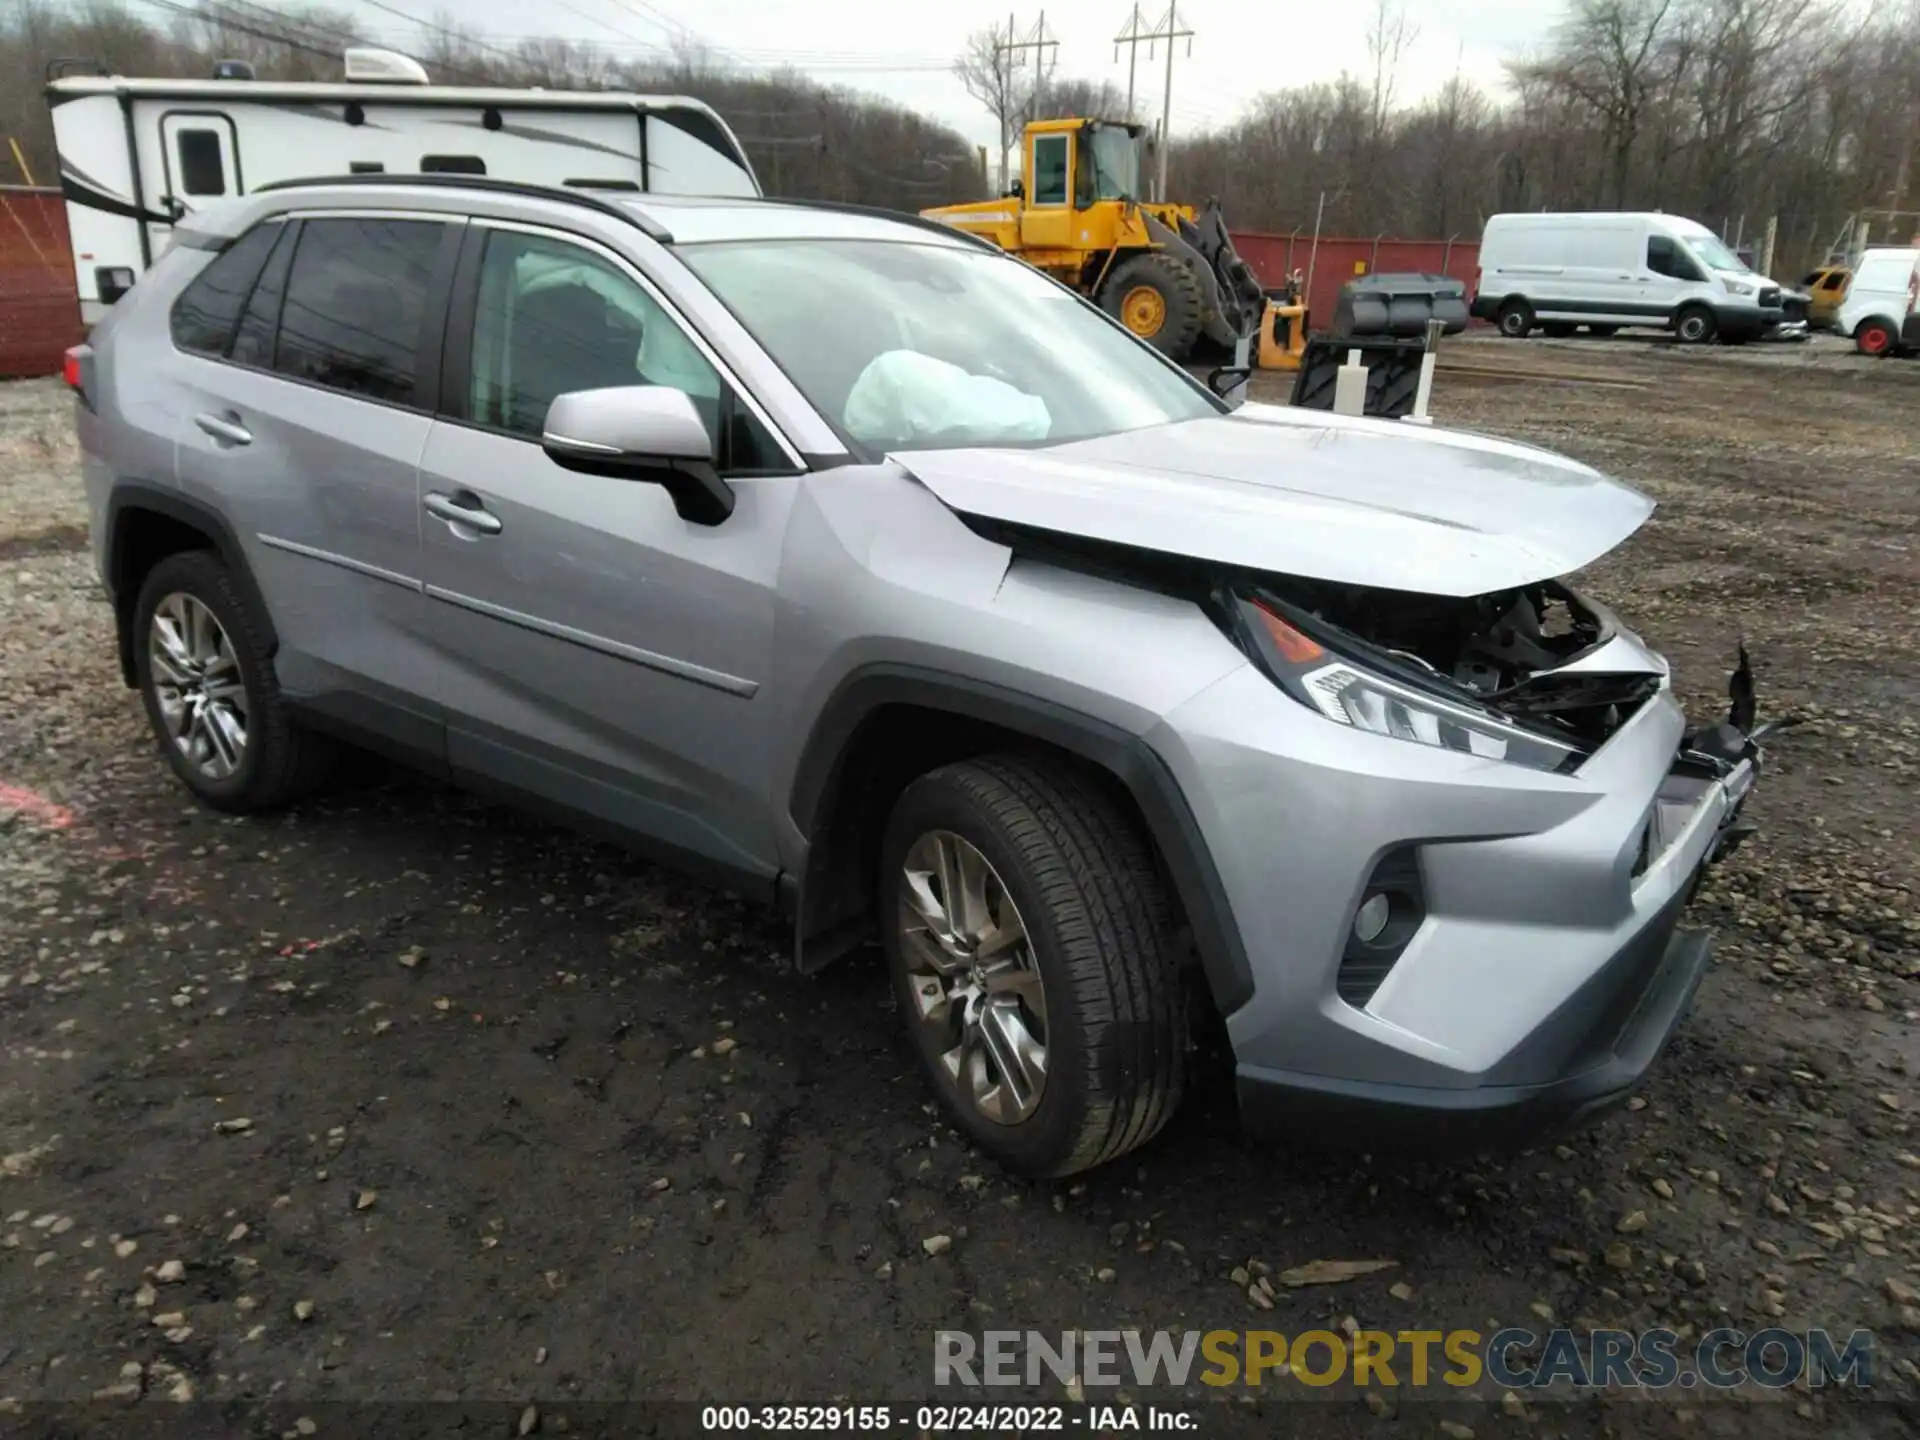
(903, 50)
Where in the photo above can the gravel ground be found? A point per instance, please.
(403, 1097)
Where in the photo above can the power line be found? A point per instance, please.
(1167, 28)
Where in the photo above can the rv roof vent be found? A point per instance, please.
(388, 67)
(232, 70)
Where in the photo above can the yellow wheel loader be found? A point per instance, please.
(1169, 273)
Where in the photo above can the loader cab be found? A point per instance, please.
(1072, 166)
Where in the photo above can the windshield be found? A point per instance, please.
(1713, 254)
(915, 347)
(1116, 163)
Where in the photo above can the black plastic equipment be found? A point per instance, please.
(1393, 372)
(1400, 305)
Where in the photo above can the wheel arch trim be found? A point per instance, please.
(132, 496)
(1126, 756)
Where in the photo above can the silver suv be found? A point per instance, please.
(878, 574)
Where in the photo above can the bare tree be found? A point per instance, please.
(1389, 35)
(1004, 87)
(1608, 57)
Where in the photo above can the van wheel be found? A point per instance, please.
(1603, 332)
(1031, 949)
(1873, 337)
(1696, 325)
(211, 695)
(1515, 319)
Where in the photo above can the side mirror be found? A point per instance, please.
(1227, 381)
(1018, 189)
(651, 433)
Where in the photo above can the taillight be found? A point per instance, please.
(76, 368)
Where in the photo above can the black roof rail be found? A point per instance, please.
(880, 212)
(646, 224)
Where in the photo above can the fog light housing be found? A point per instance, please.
(1391, 910)
(1370, 920)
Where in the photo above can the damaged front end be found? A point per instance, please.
(1539, 675)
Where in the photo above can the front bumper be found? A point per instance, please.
(1551, 966)
(1603, 1040)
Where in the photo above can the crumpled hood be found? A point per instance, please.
(1304, 492)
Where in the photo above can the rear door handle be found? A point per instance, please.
(224, 428)
(465, 508)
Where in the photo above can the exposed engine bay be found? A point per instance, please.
(1505, 650)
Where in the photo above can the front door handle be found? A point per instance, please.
(465, 509)
(226, 429)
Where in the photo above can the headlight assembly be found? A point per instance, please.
(1349, 693)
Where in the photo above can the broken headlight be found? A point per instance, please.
(1348, 692)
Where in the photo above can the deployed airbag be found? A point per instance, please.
(905, 398)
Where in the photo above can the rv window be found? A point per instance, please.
(204, 315)
(366, 167)
(355, 302)
(601, 184)
(552, 317)
(452, 165)
(202, 170)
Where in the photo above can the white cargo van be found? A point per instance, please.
(1605, 270)
(1879, 311)
(137, 154)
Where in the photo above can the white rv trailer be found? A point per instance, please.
(136, 155)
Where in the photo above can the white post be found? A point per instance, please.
(1423, 391)
(1350, 387)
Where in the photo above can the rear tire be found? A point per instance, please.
(1695, 325)
(1158, 298)
(1515, 319)
(205, 671)
(1875, 338)
(1092, 979)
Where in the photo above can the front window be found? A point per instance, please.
(1713, 254)
(908, 346)
(1116, 163)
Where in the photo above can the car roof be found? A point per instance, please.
(694, 220)
(669, 219)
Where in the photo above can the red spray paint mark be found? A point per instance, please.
(36, 807)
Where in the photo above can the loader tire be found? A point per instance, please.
(1158, 298)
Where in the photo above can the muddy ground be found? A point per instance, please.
(403, 1097)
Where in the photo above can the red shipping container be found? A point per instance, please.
(39, 311)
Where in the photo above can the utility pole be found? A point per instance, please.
(1039, 44)
(1131, 38)
(1168, 29)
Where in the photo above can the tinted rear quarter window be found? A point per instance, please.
(204, 316)
(253, 341)
(355, 301)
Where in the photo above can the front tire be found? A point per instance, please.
(1875, 338)
(1157, 297)
(1695, 325)
(204, 669)
(1029, 938)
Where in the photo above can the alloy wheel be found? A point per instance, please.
(201, 694)
(971, 972)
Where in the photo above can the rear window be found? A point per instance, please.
(207, 310)
(355, 303)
